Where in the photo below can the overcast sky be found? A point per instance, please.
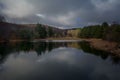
(61, 13)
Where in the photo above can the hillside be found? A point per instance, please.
(10, 31)
(56, 30)
(7, 30)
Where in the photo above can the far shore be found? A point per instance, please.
(112, 47)
(60, 38)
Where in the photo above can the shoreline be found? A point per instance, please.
(104, 45)
(19, 40)
(112, 47)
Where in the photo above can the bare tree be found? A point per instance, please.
(2, 18)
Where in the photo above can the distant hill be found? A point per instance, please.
(10, 30)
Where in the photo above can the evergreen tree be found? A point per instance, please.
(42, 33)
(25, 34)
(50, 32)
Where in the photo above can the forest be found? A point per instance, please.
(104, 31)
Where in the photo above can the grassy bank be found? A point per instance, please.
(112, 47)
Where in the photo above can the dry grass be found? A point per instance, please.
(104, 45)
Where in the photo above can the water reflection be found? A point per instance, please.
(56, 61)
(42, 47)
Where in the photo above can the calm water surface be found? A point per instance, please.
(56, 61)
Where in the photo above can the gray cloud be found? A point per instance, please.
(64, 13)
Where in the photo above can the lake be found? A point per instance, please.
(56, 60)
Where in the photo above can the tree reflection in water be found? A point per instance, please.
(41, 47)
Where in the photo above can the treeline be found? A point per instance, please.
(104, 31)
(10, 31)
(40, 32)
(43, 32)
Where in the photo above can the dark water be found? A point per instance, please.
(56, 61)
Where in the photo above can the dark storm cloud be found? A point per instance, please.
(64, 13)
